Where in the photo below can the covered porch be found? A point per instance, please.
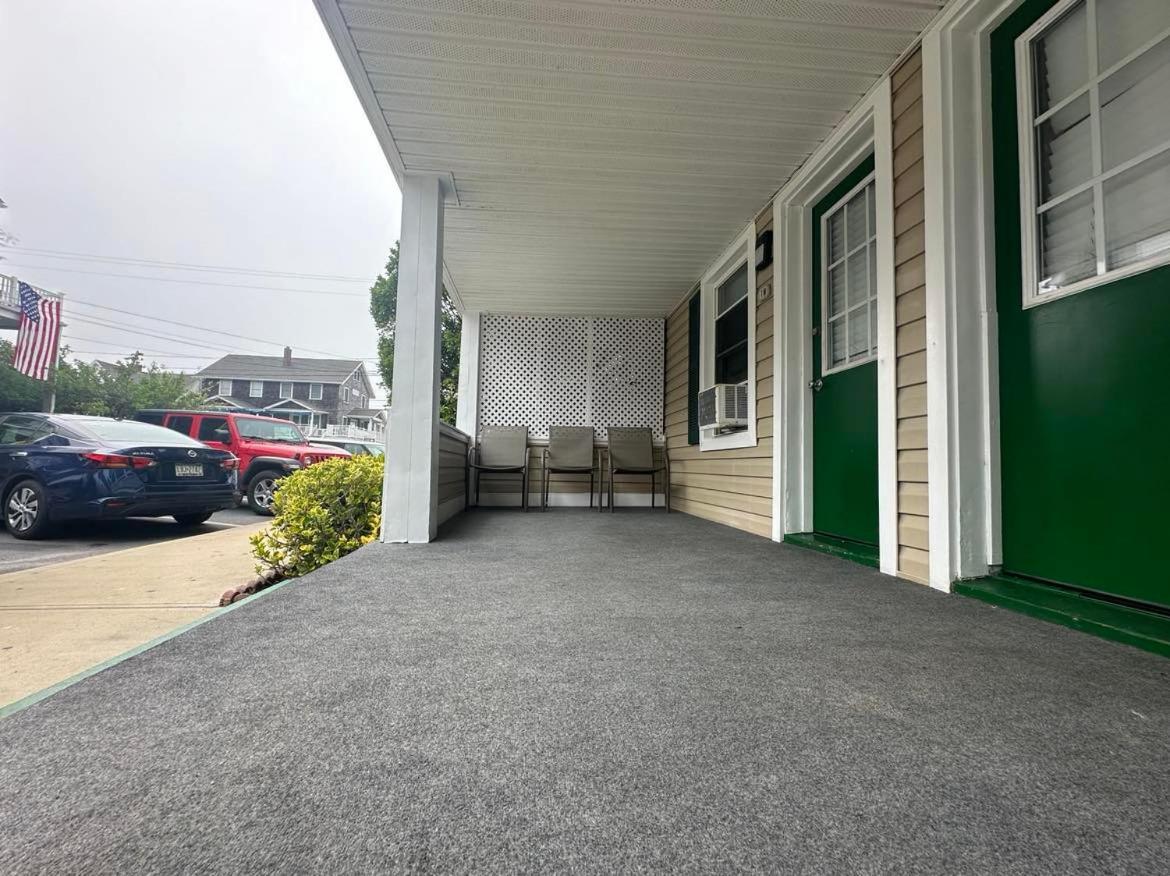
(574, 691)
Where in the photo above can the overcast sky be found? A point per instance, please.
(202, 132)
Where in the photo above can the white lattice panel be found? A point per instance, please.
(570, 371)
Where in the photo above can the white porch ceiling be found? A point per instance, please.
(604, 152)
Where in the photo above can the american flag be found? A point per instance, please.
(36, 339)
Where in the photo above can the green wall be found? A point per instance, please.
(1084, 403)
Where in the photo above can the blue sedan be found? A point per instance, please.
(55, 468)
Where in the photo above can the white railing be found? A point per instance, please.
(10, 292)
(358, 434)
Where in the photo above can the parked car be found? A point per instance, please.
(268, 448)
(68, 467)
(353, 446)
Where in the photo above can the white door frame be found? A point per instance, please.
(867, 128)
(961, 330)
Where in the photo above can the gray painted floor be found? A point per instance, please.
(599, 692)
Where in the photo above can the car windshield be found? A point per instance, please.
(131, 431)
(269, 430)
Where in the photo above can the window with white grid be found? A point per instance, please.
(1093, 89)
(849, 280)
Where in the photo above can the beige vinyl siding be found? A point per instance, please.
(452, 472)
(910, 321)
(733, 487)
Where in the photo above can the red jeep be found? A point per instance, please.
(268, 448)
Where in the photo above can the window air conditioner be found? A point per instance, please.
(723, 406)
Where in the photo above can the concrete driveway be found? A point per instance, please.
(65, 617)
(88, 538)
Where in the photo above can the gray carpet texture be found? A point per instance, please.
(599, 693)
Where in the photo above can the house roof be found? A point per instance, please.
(374, 413)
(243, 367)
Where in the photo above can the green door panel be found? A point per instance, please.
(1084, 401)
(845, 457)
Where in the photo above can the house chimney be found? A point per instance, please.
(287, 356)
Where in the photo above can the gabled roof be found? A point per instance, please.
(287, 404)
(371, 413)
(228, 401)
(243, 367)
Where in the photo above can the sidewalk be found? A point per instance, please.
(58, 620)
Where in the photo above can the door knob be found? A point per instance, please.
(816, 385)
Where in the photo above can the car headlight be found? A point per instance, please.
(308, 459)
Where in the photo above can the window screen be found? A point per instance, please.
(850, 281)
(731, 328)
(1099, 140)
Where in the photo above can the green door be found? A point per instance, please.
(1084, 406)
(844, 318)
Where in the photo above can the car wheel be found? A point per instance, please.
(192, 519)
(26, 510)
(261, 492)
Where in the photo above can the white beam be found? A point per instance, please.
(410, 490)
(467, 404)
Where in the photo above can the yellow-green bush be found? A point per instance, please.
(321, 513)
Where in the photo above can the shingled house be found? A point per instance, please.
(323, 396)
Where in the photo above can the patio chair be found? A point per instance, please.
(569, 451)
(501, 450)
(631, 451)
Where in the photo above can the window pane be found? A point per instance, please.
(855, 214)
(1125, 25)
(836, 291)
(858, 276)
(837, 350)
(1137, 212)
(1060, 59)
(732, 290)
(836, 235)
(732, 368)
(1067, 243)
(1064, 149)
(859, 333)
(1135, 109)
(731, 329)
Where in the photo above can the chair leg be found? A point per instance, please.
(611, 491)
(544, 490)
(652, 485)
(524, 489)
(590, 488)
(476, 476)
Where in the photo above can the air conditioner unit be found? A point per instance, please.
(723, 406)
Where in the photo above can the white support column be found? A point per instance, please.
(467, 405)
(410, 489)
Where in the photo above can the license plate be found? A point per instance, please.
(188, 471)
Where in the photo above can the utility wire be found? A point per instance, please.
(73, 300)
(186, 266)
(160, 337)
(193, 282)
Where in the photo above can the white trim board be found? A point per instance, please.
(866, 129)
(961, 331)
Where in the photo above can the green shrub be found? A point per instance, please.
(321, 513)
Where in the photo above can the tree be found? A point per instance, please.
(384, 308)
(116, 390)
